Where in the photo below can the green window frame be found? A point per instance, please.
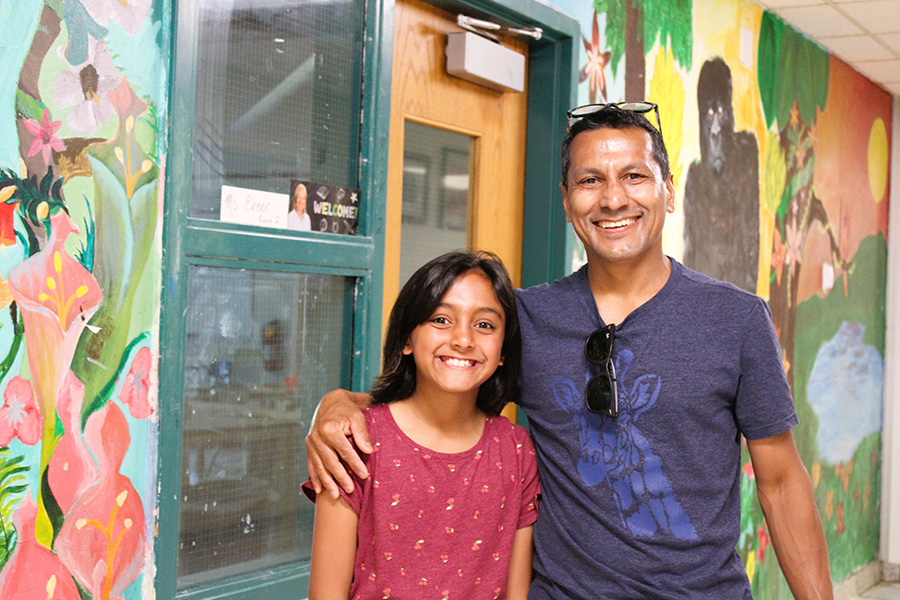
(190, 241)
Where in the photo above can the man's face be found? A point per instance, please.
(617, 196)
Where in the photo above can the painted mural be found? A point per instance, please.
(80, 172)
(780, 155)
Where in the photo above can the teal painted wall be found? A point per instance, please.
(82, 114)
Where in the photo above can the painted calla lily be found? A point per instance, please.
(71, 470)
(57, 297)
(102, 539)
(34, 571)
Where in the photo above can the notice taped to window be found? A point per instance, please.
(253, 207)
(332, 209)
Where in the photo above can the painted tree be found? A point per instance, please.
(634, 26)
(793, 75)
(793, 78)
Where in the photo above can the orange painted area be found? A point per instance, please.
(841, 177)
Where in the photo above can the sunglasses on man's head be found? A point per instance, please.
(638, 107)
(601, 394)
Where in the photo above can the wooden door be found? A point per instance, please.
(425, 98)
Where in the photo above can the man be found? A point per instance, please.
(638, 425)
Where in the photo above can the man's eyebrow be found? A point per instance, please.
(637, 165)
(586, 170)
(591, 170)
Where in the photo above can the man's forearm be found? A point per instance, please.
(797, 537)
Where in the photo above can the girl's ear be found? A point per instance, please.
(500, 364)
(407, 348)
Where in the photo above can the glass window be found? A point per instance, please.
(261, 348)
(259, 324)
(436, 195)
(277, 96)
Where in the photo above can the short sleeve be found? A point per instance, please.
(530, 481)
(354, 499)
(764, 406)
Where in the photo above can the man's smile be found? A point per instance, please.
(615, 224)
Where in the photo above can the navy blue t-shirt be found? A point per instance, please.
(647, 505)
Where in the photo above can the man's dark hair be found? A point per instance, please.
(415, 304)
(613, 117)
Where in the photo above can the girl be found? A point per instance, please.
(448, 508)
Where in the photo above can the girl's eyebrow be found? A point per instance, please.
(499, 313)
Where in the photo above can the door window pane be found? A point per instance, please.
(261, 348)
(436, 201)
(278, 93)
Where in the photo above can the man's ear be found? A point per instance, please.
(565, 193)
(670, 193)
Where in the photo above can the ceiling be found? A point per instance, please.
(863, 33)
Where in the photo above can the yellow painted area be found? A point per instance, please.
(878, 160)
(667, 89)
(766, 235)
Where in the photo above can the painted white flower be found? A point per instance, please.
(130, 14)
(86, 87)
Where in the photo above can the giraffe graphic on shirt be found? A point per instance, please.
(616, 452)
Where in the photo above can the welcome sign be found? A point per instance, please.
(333, 209)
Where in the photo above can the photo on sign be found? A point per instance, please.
(329, 208)
(298, 215)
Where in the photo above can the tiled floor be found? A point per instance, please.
(882, 591)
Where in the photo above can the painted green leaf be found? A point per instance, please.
(790, 69)
(671, 20)
(668, 21)
(12, 486)
(785, 202)
(767, 62)
(803, 176)
(615, 29)
(124, 240)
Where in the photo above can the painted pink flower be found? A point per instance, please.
(793, 243)
(57, 297)
(86, 88)
(594, 70)
(136, 388)
(764, 542)
(102, 539)
(129, 14)
(778, 255)
(19, 415)
(44, 134)
(33, 571)
(71, 470)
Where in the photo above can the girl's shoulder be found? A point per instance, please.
(500, 425)
(379, 420)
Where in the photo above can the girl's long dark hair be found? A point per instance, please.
(416, 303)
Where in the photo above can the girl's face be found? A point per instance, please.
(459, 347)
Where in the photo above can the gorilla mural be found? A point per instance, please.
(721, 198)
